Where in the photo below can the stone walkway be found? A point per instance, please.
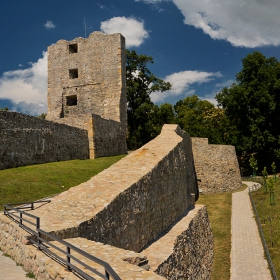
(9, 270)
(247, 254)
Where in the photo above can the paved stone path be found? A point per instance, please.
(9, 270)
(247, 254)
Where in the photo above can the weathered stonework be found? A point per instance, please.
(143, 194)
(27, 140)
(86, 79)
(216, 166)
(130, 205)
(186, 252)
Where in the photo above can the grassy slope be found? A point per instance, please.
(34, 182)
(266, 210)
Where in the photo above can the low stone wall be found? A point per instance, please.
(129, 204)
(187, 250)
(105, 137)
(27, 140)
(216, 166)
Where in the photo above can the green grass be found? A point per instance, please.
(219, 213)
(34, 182)
(266, 210)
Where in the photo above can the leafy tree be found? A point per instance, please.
(273, 167)
(271, 187)
(200, 118)
(141, 111)
(265, 176)
(254, 165)
(252, 105)
(42, 116)
(4, 109)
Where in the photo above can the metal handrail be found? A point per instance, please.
(272, 269)
(26, 203)
(40, 243)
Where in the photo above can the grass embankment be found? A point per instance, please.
(29, 183)
(219, 212)
(265, 212)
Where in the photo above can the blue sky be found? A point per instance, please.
(196, 45)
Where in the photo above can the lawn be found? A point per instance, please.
(267, 212)
(219, 212)
(34, 182)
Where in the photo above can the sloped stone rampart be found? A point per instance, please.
(129, 204)
(187, 250)
(216, 166)
(27, 140)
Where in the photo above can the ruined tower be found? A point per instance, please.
(86, 89)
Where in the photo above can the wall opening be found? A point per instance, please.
(73, 73)
(71, 100)
(73, 48)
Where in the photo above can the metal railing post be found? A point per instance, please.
(68, 259)
(20, 219)
(39, 233)
(107, 274)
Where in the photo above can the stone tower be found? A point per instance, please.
(87, 89)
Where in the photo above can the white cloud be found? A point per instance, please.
(100, 6)
(181, 83)
(49, 24)
(243, 23)
(27, 88)
(132, 29)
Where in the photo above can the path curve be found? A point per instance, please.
(247, 253)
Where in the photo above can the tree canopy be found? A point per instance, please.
(200, 118)
(141, 112)
(252, 106)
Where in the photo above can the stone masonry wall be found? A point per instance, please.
(129, 204)
(14, 241)
(27, 140)
(87, 77)
(193, 249)
(216, 166)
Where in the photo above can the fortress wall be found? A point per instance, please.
(27, 140)
(186, 251)
(158, 193)
(129, 204)
(216, 166)
(105, 137)
(109, 137)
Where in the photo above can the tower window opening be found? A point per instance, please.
(71, 100)
(73, 48)
(73, 73)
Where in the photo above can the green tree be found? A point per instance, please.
(4, 109)
(265, 176)
(271, 187)
(42, 116)
(254, 165)
(273, 167)
(141, 111)
(200, 118)
(252, 106)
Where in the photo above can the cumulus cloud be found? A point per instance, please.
(250, 23)
(132, 29)
(27, 88)
(182, 82)
(49, 24)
